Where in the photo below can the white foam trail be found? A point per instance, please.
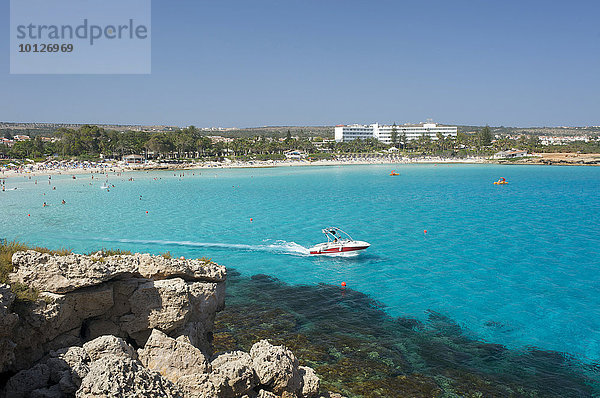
(280, 246)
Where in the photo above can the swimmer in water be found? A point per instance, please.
(44, 204)
(63, 202)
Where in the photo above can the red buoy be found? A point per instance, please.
(424, 231)
(343, 284)
(146, 211)
(28, 215)
(251, 220)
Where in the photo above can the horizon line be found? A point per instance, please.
(274, 126)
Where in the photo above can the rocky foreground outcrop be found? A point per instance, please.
(130, 326)
(83, 297)
(109, 367)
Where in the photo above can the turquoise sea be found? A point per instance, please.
(516, 265)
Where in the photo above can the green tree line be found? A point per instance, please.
(89, 142)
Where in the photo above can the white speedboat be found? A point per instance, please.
(338, 242)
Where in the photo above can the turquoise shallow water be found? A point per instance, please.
(515, 265)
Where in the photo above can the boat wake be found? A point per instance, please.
(277, 247)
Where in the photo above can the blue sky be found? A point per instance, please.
(254, 63)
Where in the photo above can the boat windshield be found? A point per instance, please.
(335, 234)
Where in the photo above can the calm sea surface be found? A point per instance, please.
(516, 265)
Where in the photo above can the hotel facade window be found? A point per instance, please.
(383, 133)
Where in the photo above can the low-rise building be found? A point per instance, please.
(324, 145)
(217, 138)
(134, 158)
(7, 142)
(562, 140)
(295, 155)
(510, 154)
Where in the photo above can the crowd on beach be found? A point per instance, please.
(53, 166)
(78, 167)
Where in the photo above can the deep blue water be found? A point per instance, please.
(515, 265)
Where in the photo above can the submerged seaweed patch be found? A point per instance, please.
(359, 350)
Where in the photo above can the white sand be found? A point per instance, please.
(40, 169)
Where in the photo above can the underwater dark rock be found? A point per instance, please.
(358, 350)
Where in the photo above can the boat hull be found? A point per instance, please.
(345, 247)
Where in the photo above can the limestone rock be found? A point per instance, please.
(101, 327)
(6, 298)
(310, 382)
(334, 395)
(23, 383)
(207, 299)
(276, 367)
(55, 322)
(74, 357)
(172, 358)
(68, 366)
(158, 267)
(51, 392)
(7, 353)
(167, 306)
(108, 345)
(86, 296)
(266, 394)
(113, 376)
(167, 367)
(198, 334)
(62, 320)
(58, 313)
(232, 374)
(122, 290)
(62, 274)
(8, 321)
(163, 305)
(197, 386)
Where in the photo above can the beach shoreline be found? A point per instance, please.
(79, 168)
(34, 169)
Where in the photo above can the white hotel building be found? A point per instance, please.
(383, 133)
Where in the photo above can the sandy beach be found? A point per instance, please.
(77, 168)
